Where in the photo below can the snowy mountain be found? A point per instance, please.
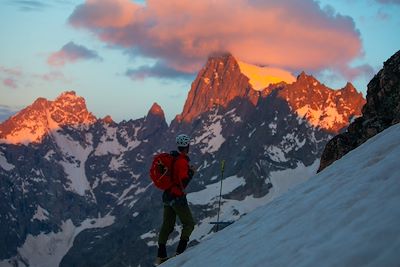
(347, 215)
(43, 117)
(75, 189)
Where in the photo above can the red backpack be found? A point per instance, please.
(161, 170)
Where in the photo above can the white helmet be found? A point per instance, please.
(182, 140)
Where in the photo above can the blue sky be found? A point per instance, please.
(48, 47)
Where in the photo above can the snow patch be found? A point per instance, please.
(211, 193)
(212, 138)
(40, 214)
(48, 249)
(350, 209)
(275, 153)
(109, 143)
(4, 163)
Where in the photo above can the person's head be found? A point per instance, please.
(183, 142)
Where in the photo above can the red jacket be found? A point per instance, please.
(181, 175)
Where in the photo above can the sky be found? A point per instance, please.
(124, 55)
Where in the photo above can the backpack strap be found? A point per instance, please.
(176, 155)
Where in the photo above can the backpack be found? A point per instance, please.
(161, 170)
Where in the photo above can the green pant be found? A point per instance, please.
(169, 219)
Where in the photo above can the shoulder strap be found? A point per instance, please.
(178, 183)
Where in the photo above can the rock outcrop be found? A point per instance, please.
(380, 112)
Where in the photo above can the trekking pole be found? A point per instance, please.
(220, 191)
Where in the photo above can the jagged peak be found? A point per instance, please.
(303, 77)
(35, 121)
(224, 56)
(68, 95)
(156, 110)
(107, 119)
(349, 87)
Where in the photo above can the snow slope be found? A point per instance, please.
(48, 249)
(348, 215)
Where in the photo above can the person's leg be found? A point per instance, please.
(186, 218)
(167, 228)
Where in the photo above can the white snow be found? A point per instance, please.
(252, 132)
(116, 163)
(122, 198)
(212, 138)
(75, 168)
(49, 154)
(275, 153)
(273, 126)
(325, 118)
(47, 250)
(232, 210)
(40, 214)
(347, 215)
(211, 193)
(4, 164)
(151, 236)
(109, 143)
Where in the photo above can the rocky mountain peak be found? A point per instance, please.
(107, 119)
(303, 78)
(349, 87)
(70, 109)
(382, 110)
(218, 83)
(43, 116)
(320, 105)
(156, 110)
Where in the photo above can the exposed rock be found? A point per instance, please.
(321, 106)
(380, 112)
(99, 173)
(218, 83)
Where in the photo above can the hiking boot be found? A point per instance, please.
(181, 246)
(160, 260)
(161, 254)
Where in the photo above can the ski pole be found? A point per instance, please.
(220, 191)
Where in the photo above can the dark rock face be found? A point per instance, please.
(92, 174)
(380, 112)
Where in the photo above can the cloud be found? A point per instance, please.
(36, 5)
(364, 70)
(7, 111)
(389, 1)
(294, 35)
(158, 70)
(9, 82)
(10, 71)
(9, 76)
(52, 76)
(29, 5)
(70, 53)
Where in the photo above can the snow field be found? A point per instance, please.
(348, 215)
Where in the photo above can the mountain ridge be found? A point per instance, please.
(99, 173)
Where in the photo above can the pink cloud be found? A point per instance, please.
(10, 83)
(52, 76)
(294, 35)
(71, 53)
(10, 71)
